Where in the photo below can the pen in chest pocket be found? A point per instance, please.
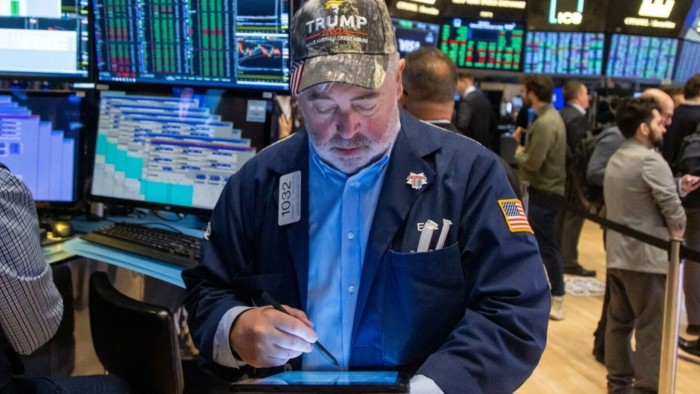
(426, 235)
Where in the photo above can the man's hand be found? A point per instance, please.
(264, 337)
(518, 135)
(689, 183)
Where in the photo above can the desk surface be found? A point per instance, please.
(155, 268)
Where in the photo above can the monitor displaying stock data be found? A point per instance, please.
(483, 44)
(169, 152)
(688, 62)
(215, 43)
(641, 57)
(44, 39)
(564, 53)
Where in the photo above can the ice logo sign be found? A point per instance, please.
(568, 16)
(656, 8)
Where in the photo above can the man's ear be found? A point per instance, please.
(399, 77)
(644, 129)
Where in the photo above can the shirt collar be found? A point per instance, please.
(469, 90)
(579, 108)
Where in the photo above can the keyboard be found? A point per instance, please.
(175, 248)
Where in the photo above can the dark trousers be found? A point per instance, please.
(569, 226)
(636, 305)
(543, 209)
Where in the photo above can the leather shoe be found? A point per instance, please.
(693, 329)
(689, 346)
(578, 270)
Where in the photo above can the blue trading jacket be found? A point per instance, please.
(471, 316)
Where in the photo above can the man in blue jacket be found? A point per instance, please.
(403, 243)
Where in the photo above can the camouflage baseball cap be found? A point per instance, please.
(340, 41)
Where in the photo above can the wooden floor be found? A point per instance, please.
(567, 365)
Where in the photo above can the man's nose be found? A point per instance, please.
(347, 124)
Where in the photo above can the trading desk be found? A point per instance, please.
(154, 268)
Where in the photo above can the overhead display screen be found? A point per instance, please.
(641, 57)
(691, 30)
(688, 63)
(567, 15)
(564, 53)
(420, 10)
(411, 35)
(483, 44)
(651, 17)
(44, 38)
(513, 10)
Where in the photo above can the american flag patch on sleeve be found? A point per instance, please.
(514, 213)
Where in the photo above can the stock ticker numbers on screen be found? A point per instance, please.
(641, 57)
(231, 43)
(565, 53)
(688, 62)
(483, 44)
(44, 38)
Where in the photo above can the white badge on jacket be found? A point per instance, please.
(289, 209)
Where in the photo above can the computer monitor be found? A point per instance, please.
(171, 151)
(411, 35)
(564, 53)
(40, 139)
(44, 39)
(483, 44)
(217, 43)
(641, 57)
(558, 100)
(688, 61)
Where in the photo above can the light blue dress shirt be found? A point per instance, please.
(341, 209)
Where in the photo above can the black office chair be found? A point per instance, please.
(134, 340)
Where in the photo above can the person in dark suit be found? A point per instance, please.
(429, 79)
(335, 222)
(570, 224)
(474, 115)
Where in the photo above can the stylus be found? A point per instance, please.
(316, 344)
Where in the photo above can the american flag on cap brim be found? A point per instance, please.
(514, 214)
(295, 78)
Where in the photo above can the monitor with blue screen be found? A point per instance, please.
(40, 142)
(641, 57)
(215, 43)
(44, 39)
(688, 62)
(564, 53)
(166, 151)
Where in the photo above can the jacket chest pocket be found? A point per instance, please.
(423, 300)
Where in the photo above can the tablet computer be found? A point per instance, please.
(326, 382)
